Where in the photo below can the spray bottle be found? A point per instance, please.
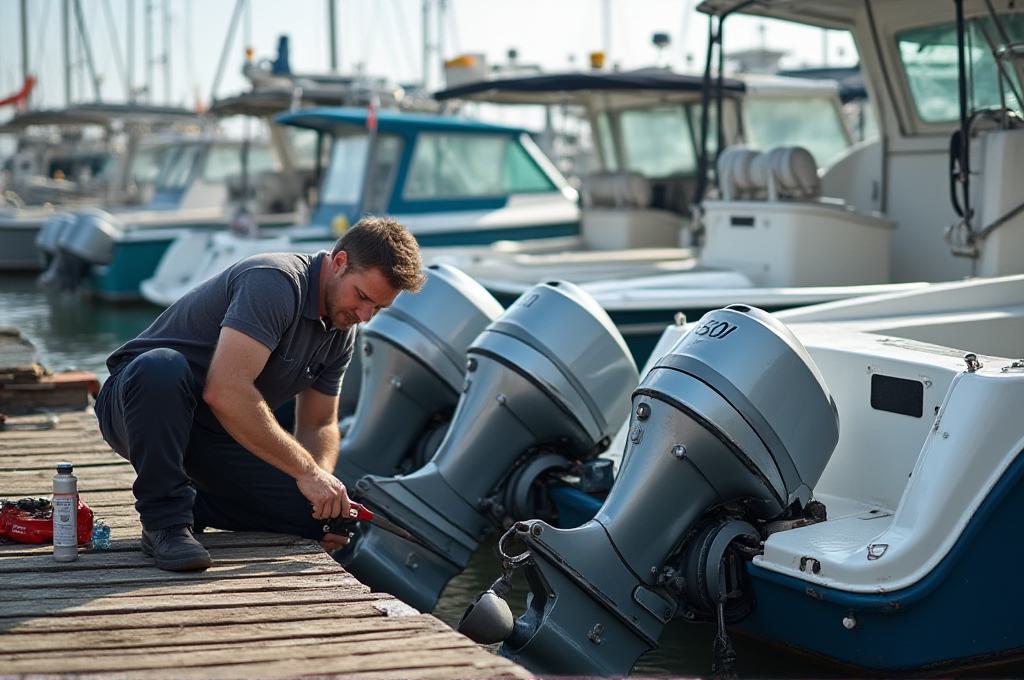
(65, 514)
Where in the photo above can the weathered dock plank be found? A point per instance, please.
(271, 606)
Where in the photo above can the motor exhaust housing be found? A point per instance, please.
(413, 367)
(731, 428)
(550, 378)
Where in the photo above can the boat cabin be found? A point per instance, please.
(944, 229)
(451, 181)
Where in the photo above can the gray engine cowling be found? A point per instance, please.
(77, 242)
(413, 367)
(730, 429)
(92, 237)
(545, 381)
(50, 232)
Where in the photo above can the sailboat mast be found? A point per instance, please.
(24, 42)
(130, 61)
(426, 44)
(167, 52)
(66, 17)
(83, 37)
(332, 33)
(148, 17)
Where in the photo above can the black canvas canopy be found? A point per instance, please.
(577, 88)
(101, 114)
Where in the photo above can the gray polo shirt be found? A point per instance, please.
(274, 299)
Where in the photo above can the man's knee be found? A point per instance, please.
(162, 372)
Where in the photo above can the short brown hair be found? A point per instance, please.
(383, 242)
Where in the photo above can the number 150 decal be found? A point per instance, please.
(715, 329)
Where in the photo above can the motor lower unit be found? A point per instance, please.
(413, 368)
(548, 381)
(731, 429)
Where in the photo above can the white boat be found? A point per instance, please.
(49, 174)
(633, 223)
(254, 186)
(454, 182)
(780, 231)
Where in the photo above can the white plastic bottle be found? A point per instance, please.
(65, 514)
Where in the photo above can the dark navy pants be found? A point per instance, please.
(190, 471)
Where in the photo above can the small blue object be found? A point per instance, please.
(100, 535)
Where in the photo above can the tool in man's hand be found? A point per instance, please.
(360, 513)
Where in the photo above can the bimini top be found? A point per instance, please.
(838, 14)
(269, 102)
(328, 119)
(104, 115)
(578, 87)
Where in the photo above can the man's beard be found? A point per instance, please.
(347, 320)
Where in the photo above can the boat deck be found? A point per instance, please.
(271, 606)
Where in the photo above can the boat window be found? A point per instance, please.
(657, 141)
(226, 161)
(472, 165)
(929, 57)
(811, 122)
(343, 178)
(382, 175)
(146, 165)
(177, 170)
(604, 137)
(303, 145)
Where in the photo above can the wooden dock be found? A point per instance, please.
(272, 606)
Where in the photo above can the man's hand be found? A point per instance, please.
(325, 492)
(332, 542)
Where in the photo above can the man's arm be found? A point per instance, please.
(232, 396)
(316, 426)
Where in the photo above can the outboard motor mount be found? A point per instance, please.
(730, 429)
(547, 381)
(413, 368)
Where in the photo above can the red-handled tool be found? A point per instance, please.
(360, 513)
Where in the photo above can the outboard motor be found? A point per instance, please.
(51, 230)
(48, 241)
(546, 386)
(87, 242)
(413, 368)
(729, 430)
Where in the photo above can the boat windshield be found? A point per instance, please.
(814, 123)
(146, 165)
(656, 141)
(929, 57)
(225, 160)
(459, 165)
(343, 179)
(177, 169)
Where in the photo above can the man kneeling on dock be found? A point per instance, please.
(190, 401)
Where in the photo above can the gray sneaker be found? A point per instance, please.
(174, 549)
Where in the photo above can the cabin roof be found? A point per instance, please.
(328, 119)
